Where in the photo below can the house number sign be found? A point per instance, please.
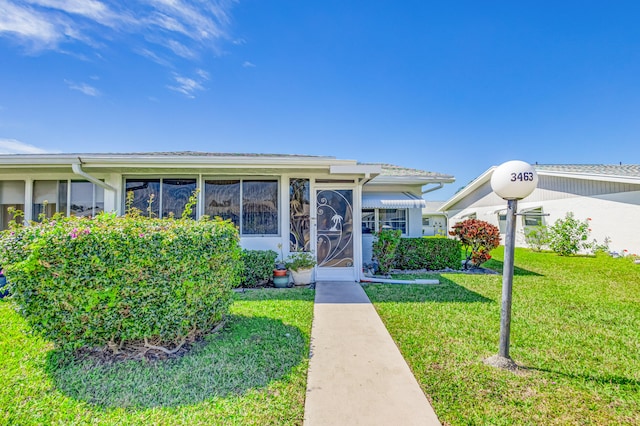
(514, 180)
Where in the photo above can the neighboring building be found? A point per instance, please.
(607, 195)
(434, 222)
(306, 203)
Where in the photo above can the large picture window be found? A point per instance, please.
(222, 199)
(259, 207)
(87, 199)
(161, 197)
(45, 199)
(145, 195)
(252, 205)
(175, 196)
(374, 220)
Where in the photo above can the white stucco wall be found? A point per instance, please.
(612, 215)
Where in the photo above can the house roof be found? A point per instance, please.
(183, 159)
(625, 173)
(396, 174)
(630, 170)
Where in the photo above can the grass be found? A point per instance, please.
(575, 332)
(253, 372)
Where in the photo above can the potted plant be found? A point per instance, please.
(301, 266)
(280, 268)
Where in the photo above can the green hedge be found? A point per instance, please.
(111, 280)
(258, 267)
(433, 253)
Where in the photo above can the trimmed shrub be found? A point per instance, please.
(537, 237)
(478, 238)
(384, 249)
(569, 235)
(258, 267)
(427, 253)
(110, 281)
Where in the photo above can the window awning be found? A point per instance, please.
(392, 200)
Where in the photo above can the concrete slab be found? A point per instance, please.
(357, 375)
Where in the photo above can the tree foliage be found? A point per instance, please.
(478, 238)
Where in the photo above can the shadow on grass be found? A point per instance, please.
(603, 380)
(249, 353)
(447, 291)
(497, 266)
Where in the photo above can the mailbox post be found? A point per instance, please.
(512, 181)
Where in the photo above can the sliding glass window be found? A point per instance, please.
(145, 196)
(175, 196)
(45, 199)
(259, 207)
(87, 199)
(222, 199)
(149, 195)
(252, 205)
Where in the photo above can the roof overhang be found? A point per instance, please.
(591, 176)
(476, 183)
(152, 162)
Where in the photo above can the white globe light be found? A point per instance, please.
(514, 180)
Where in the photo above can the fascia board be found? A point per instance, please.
(105, 160)
(475, 184)
(592, 176)
(415, 180)
(355, 169)
(37, 160)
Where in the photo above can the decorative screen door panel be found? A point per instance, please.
(334, 210)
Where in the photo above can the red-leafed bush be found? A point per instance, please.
(478, 238)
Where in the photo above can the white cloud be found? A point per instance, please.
(184, 27)
(12, 146)
(84, 88)
(247, 64)
(37, 29)
(189, 86)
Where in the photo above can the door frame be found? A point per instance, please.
(353, 272)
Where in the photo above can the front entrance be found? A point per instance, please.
(335, 235)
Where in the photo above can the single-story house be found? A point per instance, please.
(434, 222)
(608, 196)
(305, 203)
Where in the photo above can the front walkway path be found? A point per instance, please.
(357, 375)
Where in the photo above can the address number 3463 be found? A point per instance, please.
(522, 177)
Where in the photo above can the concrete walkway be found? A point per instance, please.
(357, 375)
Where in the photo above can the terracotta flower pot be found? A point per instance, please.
(279, 272)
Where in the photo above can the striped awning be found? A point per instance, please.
(392, 200)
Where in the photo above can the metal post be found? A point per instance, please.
(507, 279)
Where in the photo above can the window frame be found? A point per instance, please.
(241, 181)
(376, 220)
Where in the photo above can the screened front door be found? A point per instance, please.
(334, 235)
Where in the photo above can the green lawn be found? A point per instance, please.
(575, 331)
(253, 372)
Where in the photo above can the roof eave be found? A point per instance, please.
(476, 183)
(410, 180)
(175, 161)
(591, 176)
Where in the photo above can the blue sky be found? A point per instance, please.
(449, 86)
